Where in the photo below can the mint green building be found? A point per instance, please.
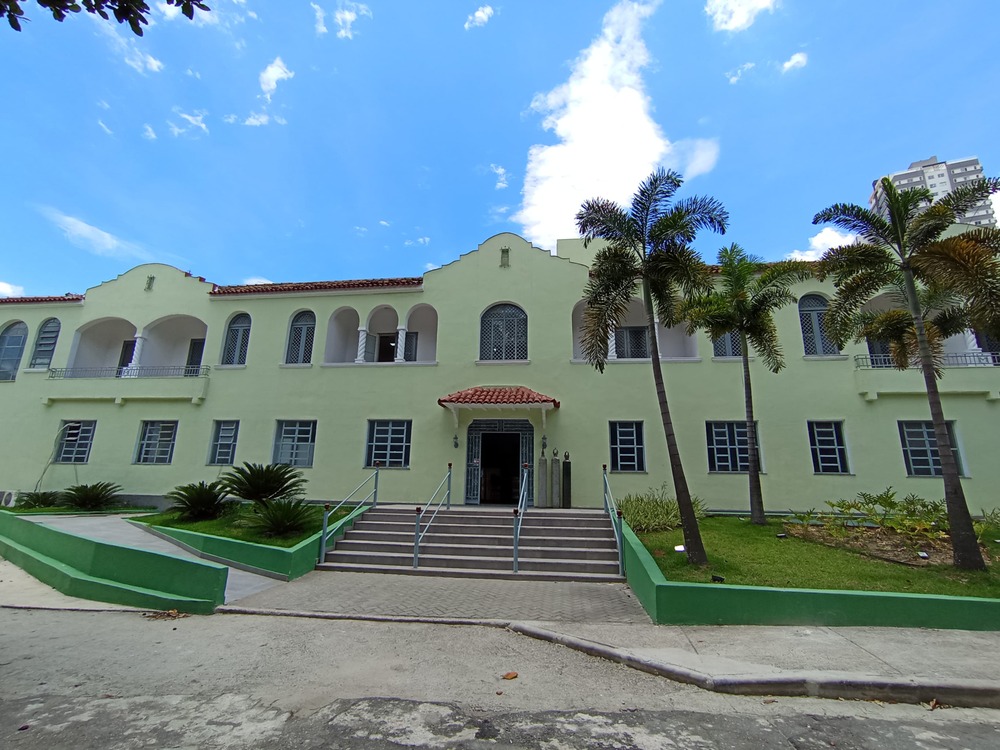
(158, 378)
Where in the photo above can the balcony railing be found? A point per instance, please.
(141, 371)
(967, 359)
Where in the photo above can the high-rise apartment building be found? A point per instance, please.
(941, 177)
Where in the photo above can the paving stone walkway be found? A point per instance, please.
(466, 598)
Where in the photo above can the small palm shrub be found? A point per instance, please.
(200, 502)
(42, 499)
(262, 483)
(655, 510)
(283, 516)
(97, 496)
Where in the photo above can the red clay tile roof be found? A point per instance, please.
(317, 286)
(497, 395)
(37, 300)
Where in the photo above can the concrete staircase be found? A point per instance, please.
(556, 545)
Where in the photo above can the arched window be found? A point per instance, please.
(45, 343)
(300, 339)
(812, 313)
(12, 340)
(234, 352)
(503, 333)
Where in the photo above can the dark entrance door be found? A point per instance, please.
(501, 468)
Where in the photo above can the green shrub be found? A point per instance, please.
(43, 499)
(97, 496)
(200, 502)
(262, 483)
(280, 517)
(655, 510)
(912, 516)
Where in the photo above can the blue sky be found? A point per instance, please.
(334, 140)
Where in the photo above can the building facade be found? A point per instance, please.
(941, 177)
(157, 378)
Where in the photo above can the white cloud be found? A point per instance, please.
(269, 77)
(148, 133)
(501, 174)
(194, 120)
(256, 119)
(174, 130)
(257, 280)
(230, 119)
(481, 17)
(819, 243)
(427, 267)
(105, 128)
(12, 290)
(201, 18)
(423, 240)
(383, 223)
(736, 15)
(320, 19)
(361, 231)
(735, 75)
(798, 60)
(103, 104)
(135, 58)
(498, 214)
(92, 239)
(280, 120)
(193, 73)
(346, 15)
(608, 141)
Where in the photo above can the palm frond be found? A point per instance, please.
(652, 198)
(673, 275)
(852, 294)
(614, 276)
(843, 262)
(603, 219)
(701, 212)
(867, 224)
(962, 199)
(928, 226)
(762, 335)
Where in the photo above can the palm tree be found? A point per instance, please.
(649, 251)
(905, 240)
(743, 305)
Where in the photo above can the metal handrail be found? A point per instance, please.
(611, 508)
(126, 372)
(520, 511)
(324, 538)
(418, 535)
(955, 359)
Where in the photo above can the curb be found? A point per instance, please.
(793, 683)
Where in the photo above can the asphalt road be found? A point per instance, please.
(116, 680)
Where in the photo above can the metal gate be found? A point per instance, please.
(473, 469)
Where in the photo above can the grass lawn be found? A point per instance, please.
(750, 555)
(237, 526)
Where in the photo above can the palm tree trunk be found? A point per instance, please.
(964, 545)
(756, 494)
(689, 522)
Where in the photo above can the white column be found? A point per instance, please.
(130, 371)
(362, 341)
(612, 352)
(400, 344)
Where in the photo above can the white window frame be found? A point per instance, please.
(295, 442)
(225, 436)
(156, 442)
(920, 449)
(828, 446)
(628, 446)
(389, 442)
(76, 438)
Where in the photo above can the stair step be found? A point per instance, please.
(498, 529)
(432, 537)
(522, 575)
(470, 561)
(349, 544)
(465, 518)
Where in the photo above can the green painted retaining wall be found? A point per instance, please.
(91, 569)
(673, 603)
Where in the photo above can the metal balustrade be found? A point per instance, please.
(611, 508)
(519, 511)
(324, 538)
(965, 359)
(139, 371)
(418, 535)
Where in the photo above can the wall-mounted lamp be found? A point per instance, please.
(545, 442)
(454, 440)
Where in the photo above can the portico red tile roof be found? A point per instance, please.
(317, 286)
(39, 300)
(498, 395)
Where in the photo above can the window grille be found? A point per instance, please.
(881, 355)
(989, 345)
(295, 442)
(812, 316)
(75, 441)
(388, 443)
(728, 447)
(237, 341)
(503, 333)
(224, 436)
(632, 342)
(156, 443)
(829, 452)
(920, 448)
(300, 339)
(45, 343)
(628, 452)
(12, 340)
(410, 347)
(729, 345)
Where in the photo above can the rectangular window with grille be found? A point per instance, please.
(920, 449)
(728, 345)
(628, 450)
(388, 443)
(829, 451)
(75, 441)
(223, 449)
(729, 447)
(295, 442)
(632, 342)
(156, 443)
